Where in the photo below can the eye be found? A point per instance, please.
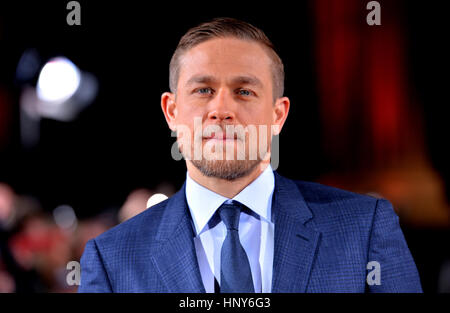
(244, 92)
(204, 91)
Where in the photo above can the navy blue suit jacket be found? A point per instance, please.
(324, 239)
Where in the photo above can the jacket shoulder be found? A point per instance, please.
(331, 204)
(319, 193)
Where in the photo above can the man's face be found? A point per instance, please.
(224, 108)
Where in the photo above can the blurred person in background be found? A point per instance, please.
(42, 246)
(86, 230)
(135, 203)
(7, 283)
(140, 199)
(15, 275)
(34, 251)
(7, 198)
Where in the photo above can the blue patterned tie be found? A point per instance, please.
(235, 272)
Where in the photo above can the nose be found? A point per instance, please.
(221, 108)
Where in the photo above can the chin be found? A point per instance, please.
(226, 169)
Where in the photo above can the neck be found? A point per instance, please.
(223, 187)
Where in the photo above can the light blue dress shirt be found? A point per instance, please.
(256, 232)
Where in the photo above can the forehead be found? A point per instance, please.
(223, 58)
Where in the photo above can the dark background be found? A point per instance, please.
(122, 142)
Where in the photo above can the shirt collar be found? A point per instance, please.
(257, 196)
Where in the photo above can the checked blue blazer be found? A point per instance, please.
(324, 239)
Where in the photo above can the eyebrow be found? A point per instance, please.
(238, 80)
(200, 79)
(247, 80)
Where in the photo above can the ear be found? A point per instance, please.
(169, 108)
(280, 113)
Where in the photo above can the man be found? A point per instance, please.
(236, 225)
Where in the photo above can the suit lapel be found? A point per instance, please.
(176, 261)
(295, 244)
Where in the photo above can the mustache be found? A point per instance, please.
(237, 132)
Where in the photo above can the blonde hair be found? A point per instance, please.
(221, 28)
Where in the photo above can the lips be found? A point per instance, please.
(221, 136)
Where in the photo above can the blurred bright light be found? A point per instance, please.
(65, 217)
(155, 199)
(58, 80)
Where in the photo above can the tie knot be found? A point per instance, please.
(230, 213)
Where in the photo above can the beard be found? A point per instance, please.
(226, 169)
(213, 161)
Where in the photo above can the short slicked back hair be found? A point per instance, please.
(226, 27)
